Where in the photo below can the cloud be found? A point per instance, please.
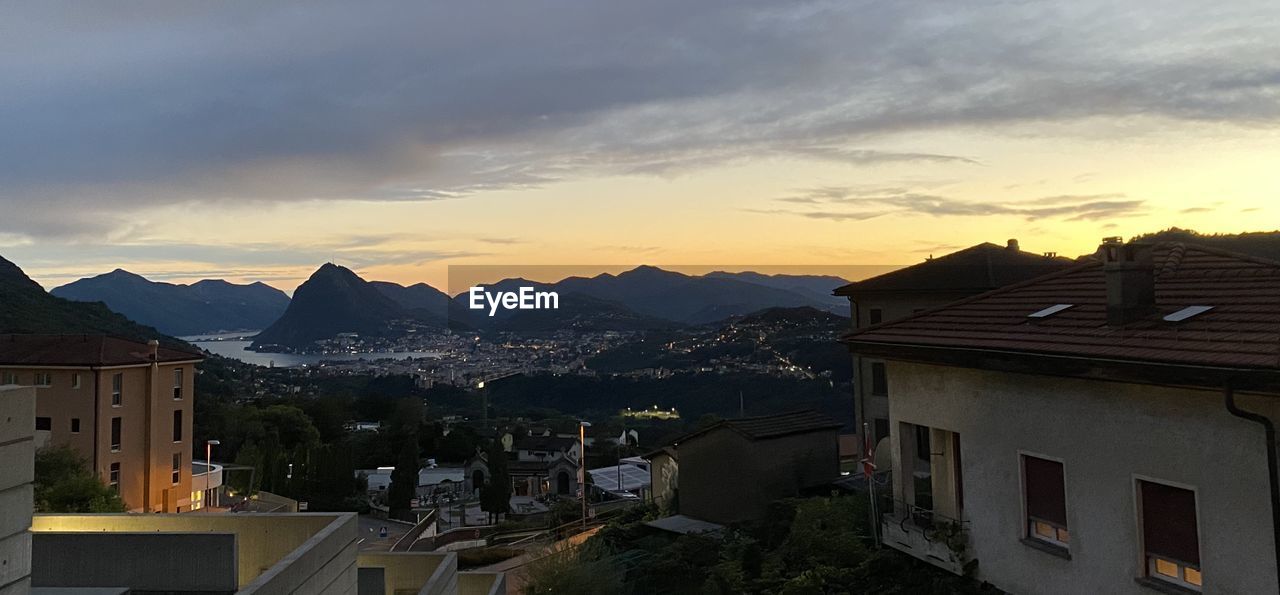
(109, 111)
(859, 204)
(261, 261)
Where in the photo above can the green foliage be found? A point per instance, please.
(566, 571)
(475, 558)
(64, 484)
(804, 546)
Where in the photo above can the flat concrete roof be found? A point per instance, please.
(685, 525)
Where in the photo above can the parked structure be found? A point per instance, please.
(932, 283)
(732, 470)
(1103, 429)
(125, 406)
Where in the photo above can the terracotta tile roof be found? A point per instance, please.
(1242, 330)
(82, 350)
(977, 268)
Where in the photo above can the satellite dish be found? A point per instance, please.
(884, 458)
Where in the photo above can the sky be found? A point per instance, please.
(255, 141)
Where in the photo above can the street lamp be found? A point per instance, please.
(208, 467)
(582, 467)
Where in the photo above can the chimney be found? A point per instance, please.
(1012, 245)
(155, 349)
(1131, 281)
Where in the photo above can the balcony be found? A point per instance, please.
(927, 535)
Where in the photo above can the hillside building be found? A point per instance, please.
(1108, 428)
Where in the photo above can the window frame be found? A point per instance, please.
(113, 477)
(117, 389)
(178, 379)
(177, 426)
(75, 381)
(1029, 532)
(884, 376)
(116, 432)
(42, 379)
(46, 421)
(75, 425)
(1147, 561)
(9, 377)
(177, 468)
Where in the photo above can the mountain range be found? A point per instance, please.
(25, 307)
(336, 300)
(203, 307)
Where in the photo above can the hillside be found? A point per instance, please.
(1264, 244)
(333, 300)
(25, 307)
(203, 307)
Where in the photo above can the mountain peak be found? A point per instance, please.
(648, 271)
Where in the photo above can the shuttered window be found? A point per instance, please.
(1046, 494)
(1170, 534)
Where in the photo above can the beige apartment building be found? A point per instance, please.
(1105, 429)
(125, 406)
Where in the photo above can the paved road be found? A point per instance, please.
(369, 538)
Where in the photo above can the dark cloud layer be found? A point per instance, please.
(115, 107)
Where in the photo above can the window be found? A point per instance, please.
(177, 468)
(43, 379)
(113, 479)
(44, 424)
(1046, 501)
(177, 383)
(115, 434)
(9, 378)
(1170, 534)
(923, 450)
(879, 382)
(117, 388)
(75, 425)
(881, 429)
(177, 426)
(75, 380)
(876, 316)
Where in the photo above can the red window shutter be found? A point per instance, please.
(1046, 490)
(1169, 522)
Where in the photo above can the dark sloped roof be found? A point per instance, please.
(1241, 331)
(977, 268)
(83, 350)
(771, 426)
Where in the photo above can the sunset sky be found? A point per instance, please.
(250, 142)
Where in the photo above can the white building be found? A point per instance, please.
(1104, 429)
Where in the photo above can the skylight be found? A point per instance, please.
(1050, 311)
(1186, 313)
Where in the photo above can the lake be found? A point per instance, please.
(233, 345)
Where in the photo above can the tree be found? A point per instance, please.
(495, 496)
(404, 478)
(63, 483)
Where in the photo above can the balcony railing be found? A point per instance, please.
(927, 535)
